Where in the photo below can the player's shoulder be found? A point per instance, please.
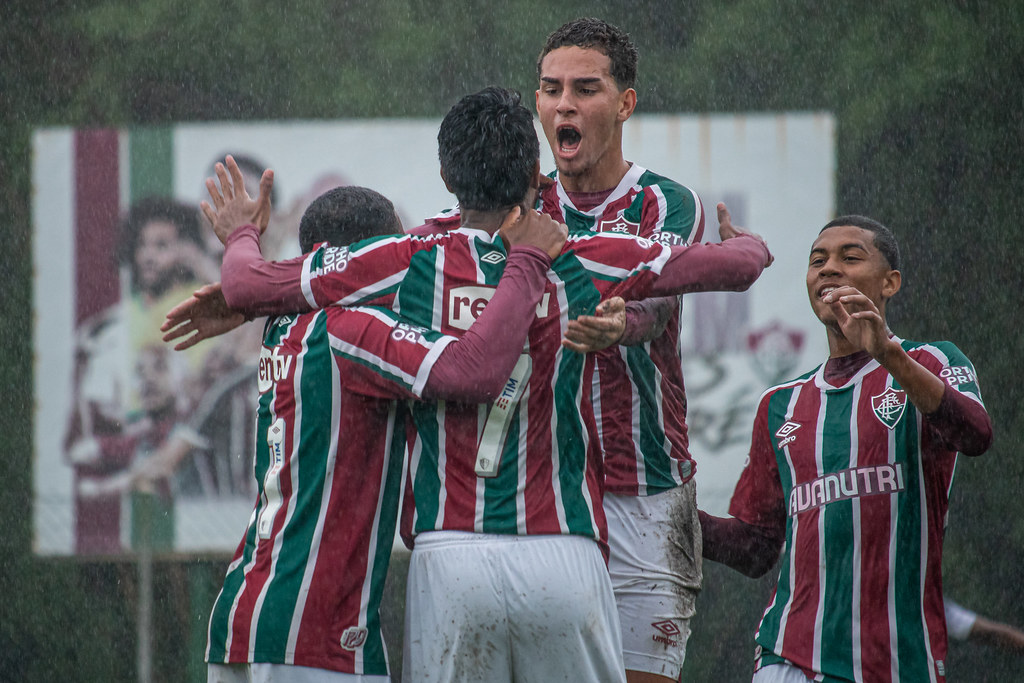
(943, 352)
(670, 188)
(787, 386)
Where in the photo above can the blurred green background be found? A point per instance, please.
(930, 134)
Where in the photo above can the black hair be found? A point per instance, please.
(184, 217)
(344, 215)
(590, 33)
(488, 149)
(884, 241)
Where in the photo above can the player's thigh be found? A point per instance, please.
(779, 673)
(655, 569)
(455, 620)
(562, 617)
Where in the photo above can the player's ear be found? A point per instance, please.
(445, 181)
(891, 283)
(535, 178)
(627, 103)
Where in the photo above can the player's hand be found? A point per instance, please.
(599, 331)
(230, 205)
(859, 320)
(534, 229)
(726, 230)
(203, 315)
(533, 193)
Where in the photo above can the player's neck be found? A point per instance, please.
(603, 176)
(488, 221)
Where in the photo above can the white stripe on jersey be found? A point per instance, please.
(857, 659)
(479, 502)
(631, 178)
(556, 457)
(819, 465)
(524, 428)
(610, 271)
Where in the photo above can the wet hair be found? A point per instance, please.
(488, 149)
(184, 217)
(609, 40)
(345, 215)
(884, 240)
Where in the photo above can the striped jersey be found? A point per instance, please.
(638, 395)
(862, 482)
(304, 585)
(548, 478)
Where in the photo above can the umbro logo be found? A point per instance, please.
(493, 257)
(669, 635)
(785, 433)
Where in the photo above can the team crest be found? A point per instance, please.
(619, 225)
(889, 406)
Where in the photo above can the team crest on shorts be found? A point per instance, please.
(889, 406)
(619, 225)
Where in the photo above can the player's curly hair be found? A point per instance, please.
(590, 33)
(885, 240)
(345, 215)
(488, 149)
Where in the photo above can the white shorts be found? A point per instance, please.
(500, 608)
(779, 673)
(655, 567)
(282, 673)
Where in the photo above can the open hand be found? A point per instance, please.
(203, 315)
(726, 230)
(230, 205)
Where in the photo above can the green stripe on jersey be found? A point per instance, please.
(501, 512)
(653, 444)
(770, 627)
(316, 382)
(838, 537)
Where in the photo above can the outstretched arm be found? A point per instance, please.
(203, 315)
(749, 549)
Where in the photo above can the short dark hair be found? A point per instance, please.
(590, 33)
(884, 240)
(347, 214)
(488, 149)
(184, 217)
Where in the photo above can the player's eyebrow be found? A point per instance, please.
(584, 80)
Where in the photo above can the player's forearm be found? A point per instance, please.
(256, 287)
(732, 265)
(749, 549)
(961, 422)
(646, 319)
(476, 368)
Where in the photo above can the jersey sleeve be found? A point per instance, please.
(395, 356)
(619, 265)
(961, 421)
(356, 274)
(673, 214)
(758, 498)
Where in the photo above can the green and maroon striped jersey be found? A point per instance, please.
(305, 583)
(862, 481)
(549, 480)
(638, 395)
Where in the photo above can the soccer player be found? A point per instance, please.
(301, 597)
(587, 71)
(507, 579)
(849, 470)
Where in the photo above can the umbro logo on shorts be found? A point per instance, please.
(669, 633)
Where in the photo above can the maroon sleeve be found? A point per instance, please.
(646, 319)
(257, 287)
(962, 423)
(732, 265)
(749, 549)
(492, 344)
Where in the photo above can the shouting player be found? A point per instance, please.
(849, 473)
